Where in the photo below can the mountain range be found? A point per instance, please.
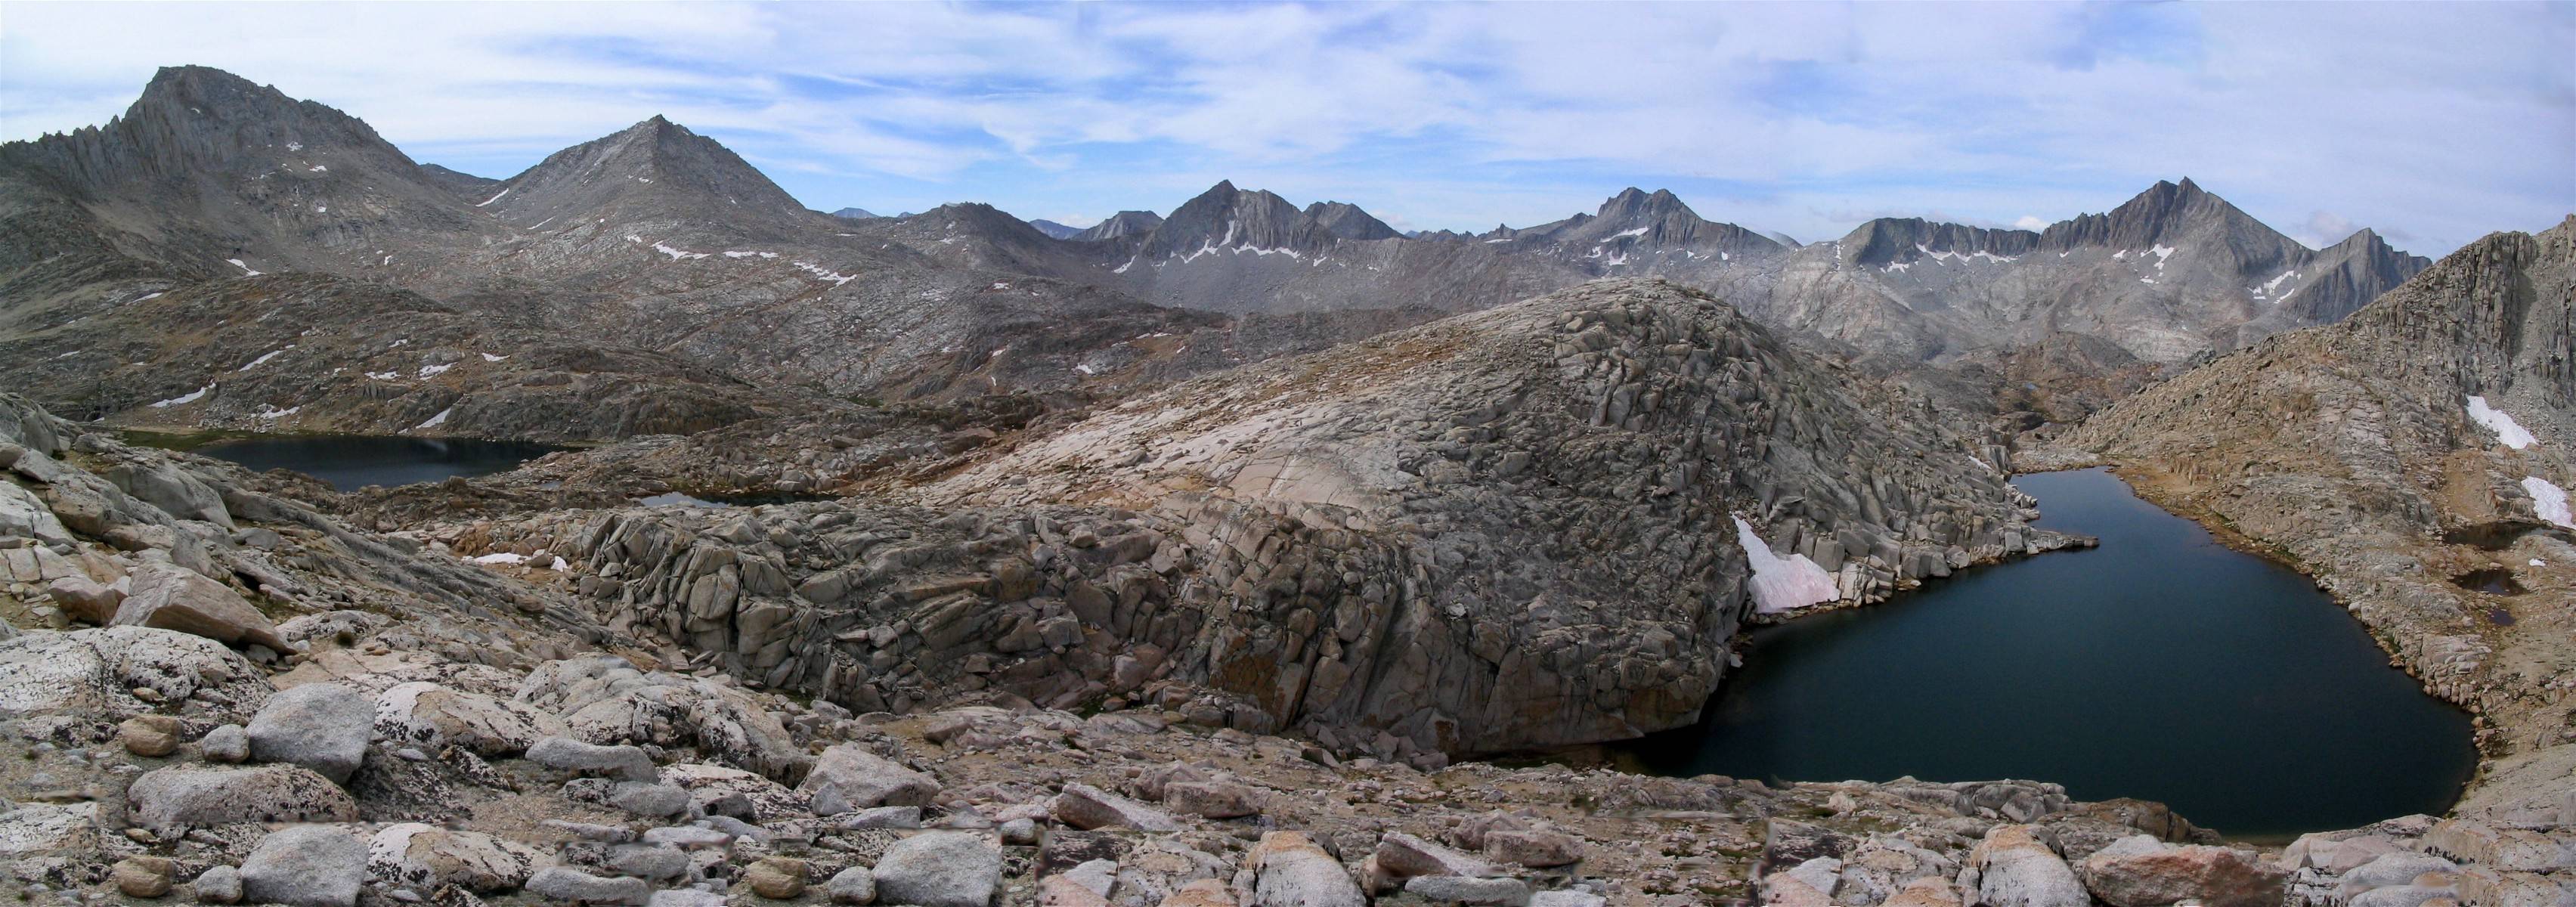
(666, 241)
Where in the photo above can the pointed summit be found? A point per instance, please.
(1347, 221)
(655, 168)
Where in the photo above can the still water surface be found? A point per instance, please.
(356, 461)
(2161, 665)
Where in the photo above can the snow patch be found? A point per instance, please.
(185, 399)
(1781, 585)
(433, 371)
(2508, 431)
(501, 557)
(383, 376)
(317, 168)
(264, 357)
(487, 357)
(2549, 500)
(1639, 231)
(492, 199)
(435, 421)
(270, 411)
(823, 273)
(1085, 369)
(677, 254)
(247, 271)
(751, 254)
(1122, 269)
(144, 297)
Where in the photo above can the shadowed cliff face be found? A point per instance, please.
(2422, 438)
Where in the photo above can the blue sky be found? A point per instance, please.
(2434, 123)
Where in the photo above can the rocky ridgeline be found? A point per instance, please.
(217, 695)
(2352, 450)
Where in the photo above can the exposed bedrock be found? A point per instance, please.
(1505, 530)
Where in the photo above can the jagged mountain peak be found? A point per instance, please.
(1225, 217)
(1633, 202)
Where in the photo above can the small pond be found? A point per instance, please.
(2162, 665)
(351, 462)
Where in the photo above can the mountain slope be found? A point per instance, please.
(2426, 437)
(1055, 230)
(1347, 221)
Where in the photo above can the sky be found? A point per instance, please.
(2433, 123)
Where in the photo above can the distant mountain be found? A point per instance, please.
(653, 169)
(1056, 230)
(1124, 223)
(1347, 221)
(854, 214)
(463, 184)
(1224, 219)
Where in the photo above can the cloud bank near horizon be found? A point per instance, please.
(2432, 123)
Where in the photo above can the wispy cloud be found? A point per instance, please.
(2436, 122)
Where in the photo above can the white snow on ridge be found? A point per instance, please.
(1122, 269)
(264, 357)
(2508, 431)
(487, 357)
(433, 371)
(435, 421)
(247, 271)
(1781, 584)
(492, 199)
(2161, 253)
(501, 557)
(184, 399)
(1639, 231)
(823, 273)
(2549, 500)
(677, 254)
(270, 411)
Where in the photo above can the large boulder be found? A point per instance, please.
(625, 763)
(180, 796)
(97, 672)
(305, 866)
(1289, 870)
(563, 883)
(427, 715)
(321, 726)
(168, 597)
(1086, 807)
(423, 857)
(606, 700)
(849, 777)
(2141, 871)
(24, 514)
(173, 490)
(939, 869)
(2012, 867)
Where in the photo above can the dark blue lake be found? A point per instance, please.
(351, 462)
(2161, 665)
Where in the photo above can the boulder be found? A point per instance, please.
(24, 514)
(727, 791)
(199, 795)
(686, 897)
(567, 884)
(1212, 799)
(218, 885)
(321, 726)
(173, 490)
(939, 869)
(1923, 892)
(849, 777)
(168, 597)
(305, 866)
(430, 716)
(606, 700)
(1567, 899)
(142, 876)
(2012, 867)
(656, 862)
(423, 857)
(2140, 871)
(1404, 855)
(149, 736)
(1289, 870)
(855, 885)
(1086, 807)
(226, 743)
(86, 599)
(99, 671)
(625, 763)
(776, 878)
(2400, 868)
(1534, 847)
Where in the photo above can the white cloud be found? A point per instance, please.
(2030, 222)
